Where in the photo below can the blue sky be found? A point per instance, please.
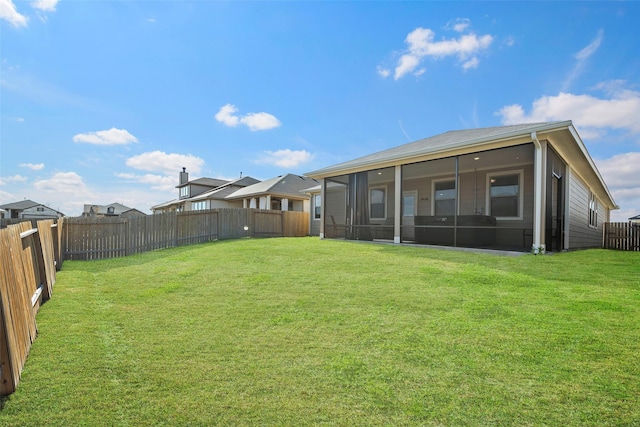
(106, 101)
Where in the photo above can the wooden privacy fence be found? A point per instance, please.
(623, 236)
(97, 238)
(30, 256)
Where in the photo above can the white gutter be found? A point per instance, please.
(536, 246)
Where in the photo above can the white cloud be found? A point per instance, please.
(9, 13)
(225, 115)
(581, 59)
(285, 158)
(69, 183)
(32, 166)
(167, 163)
(620, 172)
(157, 182)
(594, 115)
(459, 25)
(421, 44)
(254, 121)
(406, 64)
(11, 179)
(45, 5)
(383, 72)
(112, 136)
(472, 63)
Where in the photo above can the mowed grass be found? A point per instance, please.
(309, 332)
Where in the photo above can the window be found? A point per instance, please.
(317, 206)
(378, 203)
(409, 203)
(593, 210)
(110, 210)
(199, 206)
(444, 197)
(505, 194)
(184, 191)
(40, 209)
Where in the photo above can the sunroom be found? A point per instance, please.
(493, 188)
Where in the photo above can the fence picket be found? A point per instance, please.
(97, 238)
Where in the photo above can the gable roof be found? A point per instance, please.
(223, 191)
(206, 182)
(434, 145)
(561, 134)
(21, 205)
(118, 208)
(634, 217)
(288, 185)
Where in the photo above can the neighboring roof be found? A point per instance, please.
(288, 185)
(169, 203)
(21, 205)
(206, 182)
(561, 134)
(634, 217)
(118, 208)
(26, 204)
(223, 191)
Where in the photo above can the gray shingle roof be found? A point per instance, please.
(441, 143)
(207, 182)
(21, 205)
(289, 185)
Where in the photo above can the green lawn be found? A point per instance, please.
(306, 332)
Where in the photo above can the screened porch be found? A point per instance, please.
(480, 200)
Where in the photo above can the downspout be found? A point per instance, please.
(537, 246)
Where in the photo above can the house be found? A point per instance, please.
(520, 187)
(28, 209)
(635, 219)
(186, 190)
(283, 193)
(113, 209)
(217, 198)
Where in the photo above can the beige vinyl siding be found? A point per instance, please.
(580, 234)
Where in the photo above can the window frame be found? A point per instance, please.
(383, 188)
(317, 208)
(414, 194)
(433, 195)
(592, 210)
(184, 191)
(520, 204)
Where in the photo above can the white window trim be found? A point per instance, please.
(386, 197)
(433, 193)
(520, 173)
(413, 193)
(314, 207)
(592, 197)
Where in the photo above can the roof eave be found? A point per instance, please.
(446, 151)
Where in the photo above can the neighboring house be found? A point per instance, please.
(520, 187)
(282, 193)
(217, 198)
(28, 209)
(635, 219)
(186, 191)
(114, 209)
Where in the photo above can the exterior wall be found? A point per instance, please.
(581, 235)
(38, 212)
